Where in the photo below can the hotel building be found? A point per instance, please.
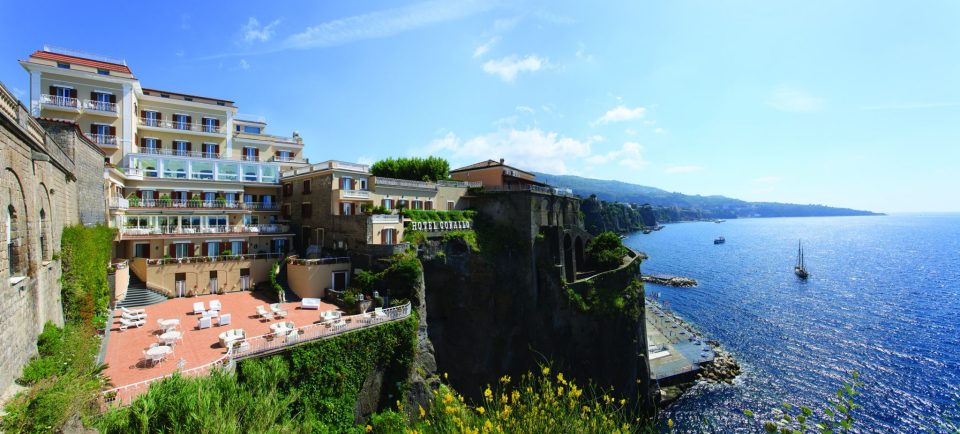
(193, 187)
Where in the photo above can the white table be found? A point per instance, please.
(170, 337)
(211, 313)
(158, 352)
(167, 324)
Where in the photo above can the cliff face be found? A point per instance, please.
(504, 315)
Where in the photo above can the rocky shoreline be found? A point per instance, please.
(677, 281)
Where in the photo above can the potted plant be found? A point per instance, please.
(220, 201)
(133, 201)
(165, 200)
(194, 202)
(269, 336)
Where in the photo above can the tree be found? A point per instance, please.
(606, 251)
(413, 168)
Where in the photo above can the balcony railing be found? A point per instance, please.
(104, 139)
(61, 101)
(220, 258)
(385, 218)
(326, 165)
(183, 126)
(138, 203)
(179, 153)
(295, 260)
(462, 184)
(355, 194)
(203, 230)
(100, 106)
(245, 157)
(393, 182)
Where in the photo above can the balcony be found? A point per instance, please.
(182, 167)
(354, 194)
(329, 165)
(179, 153)
(180, 126)
(245, 157)
(404, 183)
(385, 218)
(104, 139)
(180, 204)
(60, 102)
(100, 106)
(221, 258)
(188, 231)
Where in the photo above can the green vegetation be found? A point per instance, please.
(605, 251)
(600, 216)
(133, 200)
(413, 168)
(165, 200)
(312, 388)
(415, 238)
(64, 380)
(274, 280)
(497, 241)
(606, 299)
(419, 215)
(467, 236)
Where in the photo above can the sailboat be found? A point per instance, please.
(800, 269)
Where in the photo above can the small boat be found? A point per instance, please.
(800, 269)
(646, 231)
(719, 221)
(719, 240)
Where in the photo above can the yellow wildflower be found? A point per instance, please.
(488, 425)
(481, 410)
(560, 378)
(423, 412)
(670, 423)
(505, 379)
(623, 402)
(448, 398)
(515, 396)
(369, 428)
(488, 393)
(445, 376)
(546, 370)
(450, 410)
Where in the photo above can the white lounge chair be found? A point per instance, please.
(378, 312)
(223, 320)
(215, 305)
(125, 323)
(204, 323)
(277, 310)
(310, 303)
(198, 308)
(132, 311)
(263, 313)
(133, 317)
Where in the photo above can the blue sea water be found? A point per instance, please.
(883, 298)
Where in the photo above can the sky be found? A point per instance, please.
(853, 104)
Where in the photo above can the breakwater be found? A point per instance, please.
(676, 281)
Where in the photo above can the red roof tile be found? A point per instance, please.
(81, 61)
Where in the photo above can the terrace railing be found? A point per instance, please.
(393, 182)
(62, 101)
(265, 344)
(100, 106)
(220, 258)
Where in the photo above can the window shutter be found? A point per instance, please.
(113, 131)
(73, 93)
(93, 95)
(189, 146)
(139, 194)
(53, 90)
(143, 114)
(216, 149)
(143, 142)
(159, 116)
(189, 121)
(256, 153)
(216, 123)
(245, 247)
(113, 99)
(383, 236)
(93, 129)
(189, 195)
(190, 250)
(159, 144)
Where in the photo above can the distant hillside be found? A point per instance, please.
(678, 206)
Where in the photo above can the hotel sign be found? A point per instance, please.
(439, 226)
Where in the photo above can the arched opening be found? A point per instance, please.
(578, 252)
(13, 242)
(16, 227)
(569, 269)
(544, 212)
(44, 251)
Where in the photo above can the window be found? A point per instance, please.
(211, 125)
(164, 95)
(251, 129)
(150, 145)
(151, 118)
(306, 210)
(251, 220)
(346, 208)
(285, 212)
(63, 65)
(211, 150)
(284, 156)
(220, 103)
(346, 183)
(363, 183)
(181, 148)
(236, 247)
(181, 122)
(428, 205)
(250, 153)
(267, 201)
(43, 234)
(213, 248)
(287, 190)
(182, 250)
(148, 194)
(102, 71)
(141, 250)
(250, 173)
(278, 246)
(417, 204)
(387, 203)
(306, 186)
(187, 98)
(208, 198)
(388, 236)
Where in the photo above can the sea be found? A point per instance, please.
(883, 298)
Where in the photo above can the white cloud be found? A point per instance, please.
(659, 130)
(254, 32)
(507, 68)
(630, 155)
(620, 113)
(17, 92)
(525, 109)
(582, 54)
(179, 53)
(690, 168)
(532, 149)
(363, 159)
(794, 100)
(244, 64)
(387, 22)
(485, 47)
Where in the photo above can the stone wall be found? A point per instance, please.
(39, 195)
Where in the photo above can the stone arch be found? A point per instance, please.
(46, 223)
(578, 252)
(16, 226)
(569, 267)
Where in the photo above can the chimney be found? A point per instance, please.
(501, 161)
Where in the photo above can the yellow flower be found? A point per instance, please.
(423, 412)
(559, 391)
(445, 376)
(450, 410)
(448, 398)
(546, 370)
(369, 428)
(487, 425)
(488, 393)
(623, 402)
(503, 398)
(505, 379)
(560, 378)
(481, 410)
(515, 396)
(670, 423)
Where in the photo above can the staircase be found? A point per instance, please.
(138, 295)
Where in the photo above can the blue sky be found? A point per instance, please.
(850, 103)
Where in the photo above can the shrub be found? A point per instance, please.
(606, 251)
(468, 237)
(414, 168)
(133, 200)
(86, 255)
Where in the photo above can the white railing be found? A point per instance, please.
(532, 188)
(104, 139)
(133, 173)
(285, 159)
(220, 258)
(356, 194)
(62, 101)
(100, 106)
(462, 184)
(178, 125)
(270, 342)
(327, 165)
(134, 231)
(178, 153)
(119, 203)
(295, 260)
(385, 218)
(404, 183)
(245, 157)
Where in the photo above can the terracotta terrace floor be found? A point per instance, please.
(124, 354)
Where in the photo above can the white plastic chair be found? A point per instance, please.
(263, 313)
(125, 323)
(223, 319)
(204, 323)
(277, 310)
(215, 305)
(198, 308)
(133, 317)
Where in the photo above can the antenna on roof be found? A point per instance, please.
(83, 54)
